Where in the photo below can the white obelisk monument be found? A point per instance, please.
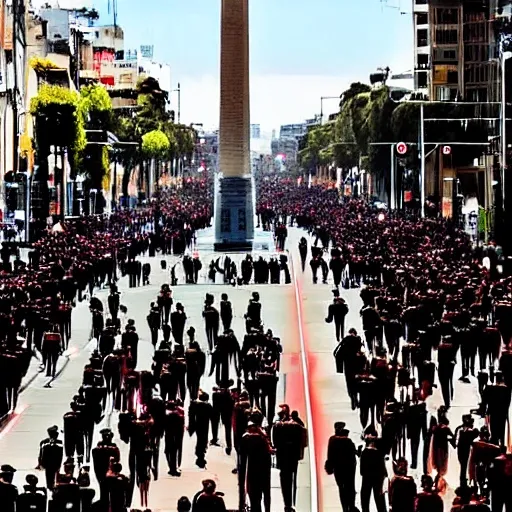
(234, 209)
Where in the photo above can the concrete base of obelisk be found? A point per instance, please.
(234, 215)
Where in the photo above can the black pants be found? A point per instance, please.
(499, 499)
(154, 337)
(446, 381)
(340, 329)
(51, 475)
(497, 422)
(193, 383)
(178, 336)
(74, 443)
(226, 421)
(201, 444)
(288, 480)
(463, 456)
(374, 485)
(211, 336)
(347, 489)
(173, 450)
(256, 493)
(226, 322)
(50, 361)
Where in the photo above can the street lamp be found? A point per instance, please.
(178, 90)
(322, 98)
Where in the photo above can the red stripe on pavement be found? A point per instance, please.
(320, 428)
(13, 421)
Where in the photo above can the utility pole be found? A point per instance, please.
(393, 185)
(179, 103)
(422, 155)
(322, 98)
(503, 114)
(14, 98)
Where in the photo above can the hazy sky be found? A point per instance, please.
(300, 50)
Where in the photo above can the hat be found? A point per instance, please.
(6, 468)
(105, 431)
(52, 429)
(339, 425)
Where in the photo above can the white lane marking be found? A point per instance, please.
(309, 412)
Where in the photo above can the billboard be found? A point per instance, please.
(146, 51)
(101, 58)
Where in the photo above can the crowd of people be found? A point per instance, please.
(151, 407)
(70, 264)
(429, 305)
(65, 266)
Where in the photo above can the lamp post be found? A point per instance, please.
(322, 98)
(178, 90)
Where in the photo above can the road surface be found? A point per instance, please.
(41, 407)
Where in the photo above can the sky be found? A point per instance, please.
(300, 50)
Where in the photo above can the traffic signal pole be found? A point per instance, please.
(422, 163)
(392, 202)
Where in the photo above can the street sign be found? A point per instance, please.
(447, 150)
(401, 148)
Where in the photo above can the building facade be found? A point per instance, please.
(456, 52)
(255, 131)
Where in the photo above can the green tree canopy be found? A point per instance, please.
(155, 144)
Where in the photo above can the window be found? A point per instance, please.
(225, 220)
(447, 16)
(449, 54)
(452, 77)
(475, 32)
(446, 36)
(241, 220)
(478, 94)
(422, 80)
(476, 53)
(421, 2)
(446, 93)
(422, 37)
(477, 73)
(423, 61)
(422, 18)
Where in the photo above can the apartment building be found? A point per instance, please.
(456, 51)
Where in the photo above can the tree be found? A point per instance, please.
(60, 123)
(155, 144)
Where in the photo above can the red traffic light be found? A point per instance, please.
(401, 148)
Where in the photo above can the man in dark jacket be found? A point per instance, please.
(337, 311)
(341, 462)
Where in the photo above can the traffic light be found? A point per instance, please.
(172, 115)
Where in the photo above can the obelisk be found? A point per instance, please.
(234, 210)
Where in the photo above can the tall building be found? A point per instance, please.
(293, 130)
(456, 51)
(255, 131)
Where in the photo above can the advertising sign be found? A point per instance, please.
(146, 51)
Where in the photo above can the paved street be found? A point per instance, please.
(40, 407)
(329, 399)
